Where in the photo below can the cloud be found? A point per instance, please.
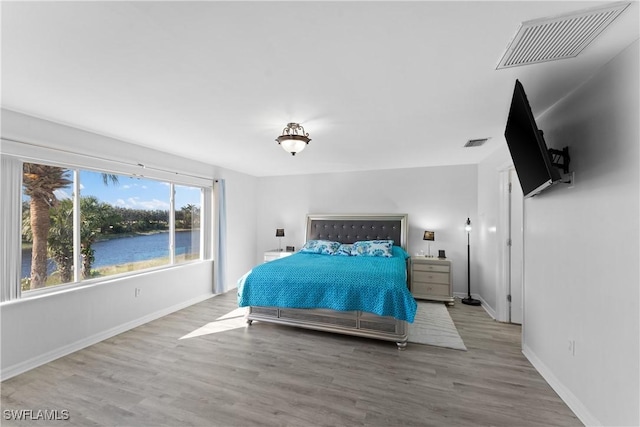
(154, 204)
(137, 203)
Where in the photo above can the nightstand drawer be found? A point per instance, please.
(427, 276)
(418, 266)
(430, 289)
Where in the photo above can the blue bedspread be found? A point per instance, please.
(302, 280)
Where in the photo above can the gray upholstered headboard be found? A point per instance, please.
(349, 228)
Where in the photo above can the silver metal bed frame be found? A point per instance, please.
(345, 228)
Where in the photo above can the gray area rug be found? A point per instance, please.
(433, 326)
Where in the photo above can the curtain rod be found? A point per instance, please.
(106, 159)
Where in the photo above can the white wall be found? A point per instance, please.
(241, 224)
(37, 330)
(582, 251)
(435, 198)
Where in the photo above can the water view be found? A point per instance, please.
(124, 250)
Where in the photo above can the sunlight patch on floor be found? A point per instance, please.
(232, 320)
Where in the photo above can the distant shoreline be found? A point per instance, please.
(107, 237)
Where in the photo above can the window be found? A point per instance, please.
(81, 224)
(188, 203)
(124, 223)
(47, 226)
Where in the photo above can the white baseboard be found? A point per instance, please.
(490, 311)
(565, 394)
(52, 355)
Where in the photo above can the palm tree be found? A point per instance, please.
(94, 217)
(40, 183)
(61, 239)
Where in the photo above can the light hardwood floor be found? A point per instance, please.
(275, 375)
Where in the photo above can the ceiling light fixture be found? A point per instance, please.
(293, 139)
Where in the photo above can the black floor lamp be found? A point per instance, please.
(468, 300)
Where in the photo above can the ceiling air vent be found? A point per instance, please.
(560, 37)
(475, 142)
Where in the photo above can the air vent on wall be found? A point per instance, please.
(560, 37)
(475, 142)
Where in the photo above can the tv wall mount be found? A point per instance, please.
(560, 158)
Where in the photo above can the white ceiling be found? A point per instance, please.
(377, 85)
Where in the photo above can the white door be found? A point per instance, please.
(516, 248)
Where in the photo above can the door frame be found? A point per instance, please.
(503, 309)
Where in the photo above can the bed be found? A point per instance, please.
(365, 296)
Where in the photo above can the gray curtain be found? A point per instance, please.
(10, 208)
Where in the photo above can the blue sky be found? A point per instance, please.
(132, 192)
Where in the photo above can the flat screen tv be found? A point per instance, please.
(531, 157)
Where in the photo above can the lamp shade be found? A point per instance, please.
(293, 143)
(279, 232)
(429, 235)
(467, 226)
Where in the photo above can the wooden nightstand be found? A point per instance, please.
(431, 279)
(275, 254)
